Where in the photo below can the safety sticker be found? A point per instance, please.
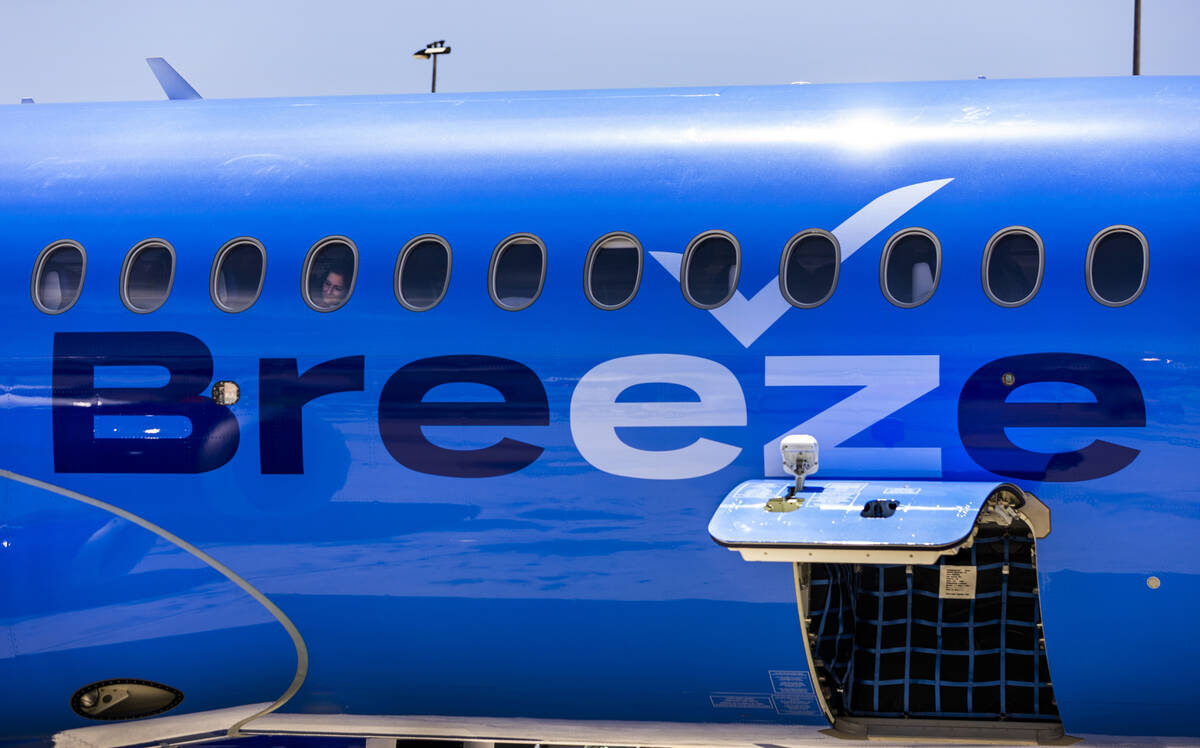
(903, 490)
(835, 495)
(793, 692)
(741, 701)
(790, 680)
(759, 490)
(957, 582)
(795, 703)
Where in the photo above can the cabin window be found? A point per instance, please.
(329, 273)
(910, 268)
(1013, 264)
(147, 276)
(237, 275)
(613, 271)
(423, 273)
(809, 268)
(1117, 262)
(710, 270)
(517, 272)
(58, 277)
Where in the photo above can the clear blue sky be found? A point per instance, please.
(90, 50)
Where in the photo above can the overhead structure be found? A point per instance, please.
(431, 52)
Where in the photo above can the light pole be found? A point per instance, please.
(431, 51)
(1137, 37)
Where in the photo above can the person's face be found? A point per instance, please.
(333, 290)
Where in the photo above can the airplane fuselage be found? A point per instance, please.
(474, 511)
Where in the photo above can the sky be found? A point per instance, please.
(90, 50)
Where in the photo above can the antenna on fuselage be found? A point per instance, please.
(173, 84)
(1137, 37)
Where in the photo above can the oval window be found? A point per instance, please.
(518, 272)
(58, 277)
(1013, 264)
(147, 276)
(911, 267)
(613, 271)
(329, 273)
(237, 275)
(423, 272)
(809, 268)
(1117, 261)
(711, 266)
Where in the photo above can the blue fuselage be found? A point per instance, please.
(544, 553)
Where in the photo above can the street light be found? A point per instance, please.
(431, 51)
(1137, 37)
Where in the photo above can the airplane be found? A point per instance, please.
(710, 416)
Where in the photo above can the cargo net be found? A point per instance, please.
(888, 645)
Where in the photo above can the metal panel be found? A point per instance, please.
(828, 520)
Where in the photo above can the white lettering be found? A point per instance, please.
(596, 415)
(888, 384)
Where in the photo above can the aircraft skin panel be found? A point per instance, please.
(537, 545)
(87, 592)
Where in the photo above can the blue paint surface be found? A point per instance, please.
(587, 594)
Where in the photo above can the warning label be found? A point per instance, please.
(793, 692)
(760, 490)
(790, 680)
(957, 582)
(836, 495)
(741, 701)
(795, 704)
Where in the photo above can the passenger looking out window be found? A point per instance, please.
(331, 271)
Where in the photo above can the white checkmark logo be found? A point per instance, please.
(747, 319)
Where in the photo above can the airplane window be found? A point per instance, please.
(147, 276)
(613, 271)
(422, 273)
(237, 275)
(711, 266)
(1116, 265)
(58, 277)
(518, 271)
(329, 273)
(911, 267)
(809, 268)
(1012, 266)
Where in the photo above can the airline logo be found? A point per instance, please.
(887, 383)
(747, 319)
(597, 414)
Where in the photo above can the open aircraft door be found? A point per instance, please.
(919, 607)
